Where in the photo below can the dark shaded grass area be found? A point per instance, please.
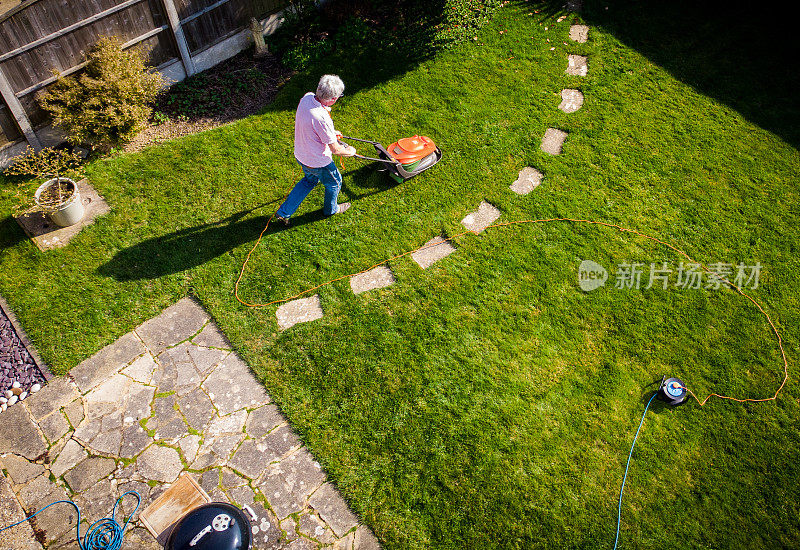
(735, 53)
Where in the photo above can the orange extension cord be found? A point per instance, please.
(552, 220)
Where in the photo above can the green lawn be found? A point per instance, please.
(486, 401)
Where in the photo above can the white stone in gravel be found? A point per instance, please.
(4, 399)
(23, 395)
(3, 407)
(35, 388)
(13, 400)
(9, 394)
(15, 384)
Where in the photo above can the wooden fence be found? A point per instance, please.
(42, 36)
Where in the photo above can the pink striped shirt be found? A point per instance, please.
(313, 132)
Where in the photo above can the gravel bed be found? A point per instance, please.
(16, 364)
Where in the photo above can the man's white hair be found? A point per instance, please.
(330, 87)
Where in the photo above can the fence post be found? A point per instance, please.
(18, 112)
(180, 38)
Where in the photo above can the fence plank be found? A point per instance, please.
(180, 38)
(68, 29)
(19, 113)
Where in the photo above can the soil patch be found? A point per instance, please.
(234, 89)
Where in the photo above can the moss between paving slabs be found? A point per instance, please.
(487, 401)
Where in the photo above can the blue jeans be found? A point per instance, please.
(332, 181)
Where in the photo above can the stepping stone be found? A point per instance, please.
(483, 218)
(579, 33)
(301, 310)
(528, 180)
(553, 140)
(577, 65)
(571, 100)
(432, 251)
(379, 277)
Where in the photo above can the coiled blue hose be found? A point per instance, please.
(103, 534)
(619, 506)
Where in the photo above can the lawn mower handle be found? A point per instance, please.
(361, 140)
(373, 143)
(376, 160)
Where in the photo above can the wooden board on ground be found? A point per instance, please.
(184, 496)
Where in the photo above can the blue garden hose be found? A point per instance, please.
(104, 534)
(619, 506)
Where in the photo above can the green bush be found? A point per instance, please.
(109, 102)
(354, 34)
(302, 54)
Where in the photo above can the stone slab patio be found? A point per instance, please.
(169, 397)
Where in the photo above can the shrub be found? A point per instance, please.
(109, 102)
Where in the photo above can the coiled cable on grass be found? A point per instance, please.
(103, 534)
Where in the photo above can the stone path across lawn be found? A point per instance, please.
(168, 397)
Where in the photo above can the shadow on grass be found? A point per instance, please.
(733, 53)
(11, 233)
(194, 246)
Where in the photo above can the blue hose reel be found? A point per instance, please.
(672, 391)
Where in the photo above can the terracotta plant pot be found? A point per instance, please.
(64, 208)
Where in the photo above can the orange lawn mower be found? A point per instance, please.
(406, 157)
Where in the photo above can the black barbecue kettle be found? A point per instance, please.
(213, 526)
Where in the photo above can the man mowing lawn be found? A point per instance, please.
(315, 143)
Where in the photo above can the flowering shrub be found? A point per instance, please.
(109, 102)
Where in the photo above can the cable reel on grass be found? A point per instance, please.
(672, 391)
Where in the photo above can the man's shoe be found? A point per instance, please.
(284, 221)
(342, 207)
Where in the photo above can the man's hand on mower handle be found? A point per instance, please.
(342, 149)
